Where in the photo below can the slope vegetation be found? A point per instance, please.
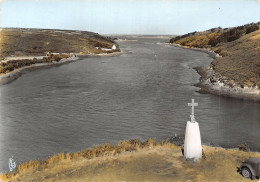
(24, 47)
(239, 50)
(37, 42)
(134, 161)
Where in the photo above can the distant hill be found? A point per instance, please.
(239, 50)
(38, 42)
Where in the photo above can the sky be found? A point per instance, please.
(156, 17)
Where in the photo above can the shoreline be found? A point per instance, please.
(211, 53)
(219, 88)
(15, 74)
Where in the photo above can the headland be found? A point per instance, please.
(23, 49)
(235, 71)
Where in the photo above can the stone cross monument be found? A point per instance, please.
(192, 144)
(192, 104)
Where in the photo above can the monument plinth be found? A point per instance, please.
(192, 144)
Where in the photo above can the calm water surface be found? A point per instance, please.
(97, 100)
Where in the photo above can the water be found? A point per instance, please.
(98, 100)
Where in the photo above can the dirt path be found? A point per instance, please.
(21, 58)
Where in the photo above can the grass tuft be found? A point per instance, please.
(96, 151)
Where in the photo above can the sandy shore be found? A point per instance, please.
(11, 76)
(219, 88)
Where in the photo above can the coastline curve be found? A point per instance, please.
(218, 88)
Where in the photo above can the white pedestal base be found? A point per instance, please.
(192, 144)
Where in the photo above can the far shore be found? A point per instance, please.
(15, 74)
(218, 88)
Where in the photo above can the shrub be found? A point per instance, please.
(252, 28)
(213, 42)
(243, 147)
(233, 34)
(214, 36)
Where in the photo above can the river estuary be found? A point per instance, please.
(140, 94)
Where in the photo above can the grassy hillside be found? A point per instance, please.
(214, 36)
(37, 42)
(239, 50)
(134, 161)
(241, 63)
(19, 47)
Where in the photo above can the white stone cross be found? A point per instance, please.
(192, 104)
